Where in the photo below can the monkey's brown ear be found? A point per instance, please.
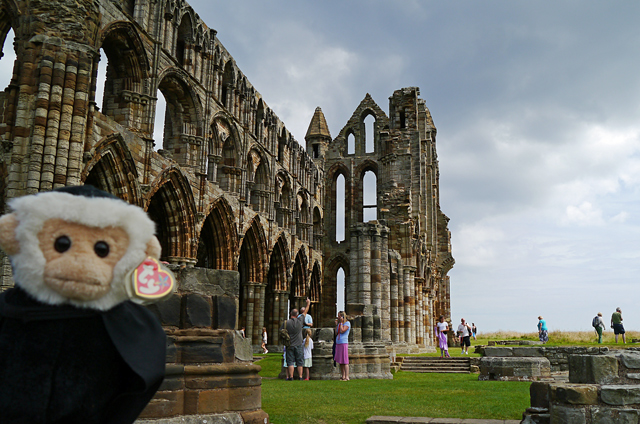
(8, 241)
(153, 248)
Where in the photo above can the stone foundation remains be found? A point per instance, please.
(602, 389)
(514, 368)
(558, 356)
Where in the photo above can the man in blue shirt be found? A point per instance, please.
(308, 321)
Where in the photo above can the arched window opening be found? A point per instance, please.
(8, 58)
(101, 78)
(129, 6)
(181, 123)
(403, 119)
(317, 229)
(228, 80)
(369, 197)
(340, 208)
(340, 295)
(185, 39)
(158, 126)
(351, 144)
(369, 131)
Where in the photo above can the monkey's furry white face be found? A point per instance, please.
(77, 250)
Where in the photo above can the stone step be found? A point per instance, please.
(435, 364)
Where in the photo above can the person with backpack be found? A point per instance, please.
(295, 349)
(598, 324)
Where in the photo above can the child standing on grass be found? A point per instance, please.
(442, 328)
(264, 340)
(308, 346)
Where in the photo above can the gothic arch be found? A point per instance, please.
(183, 117)
(299, 283)
(112, 169)
(171, 206)
(127, 70)
(218, 238)
(251, 266)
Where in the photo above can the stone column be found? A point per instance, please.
(393, 294)
(364, 255)
(351, 286)
(376, 278)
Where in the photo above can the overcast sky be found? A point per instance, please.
(537, 106)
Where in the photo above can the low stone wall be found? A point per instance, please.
(514, 368)
(602, 389)
(558, 356)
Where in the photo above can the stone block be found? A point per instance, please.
(592, 369)
(498, 351)
(630, 359)
(209, 282)
(526, 351)
(575, 394)
(255, 417)
(324, 335)
(224, 312)
(620, 395)
(197, 310)
(243, 348)
(167, 311)
(567, 415)
(514, 368)
(603, 415)
(539, 394)
(200, 350)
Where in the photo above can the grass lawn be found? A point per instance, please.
(408, 394)
(561, 338)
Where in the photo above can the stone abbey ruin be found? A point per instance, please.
(246, 216)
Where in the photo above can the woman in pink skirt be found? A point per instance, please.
(442, 328)
(342, 345)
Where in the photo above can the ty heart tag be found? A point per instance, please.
(150, 281)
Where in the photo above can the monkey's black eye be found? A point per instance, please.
(62, 244)
(101, 248)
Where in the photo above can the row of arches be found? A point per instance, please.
(267, 274)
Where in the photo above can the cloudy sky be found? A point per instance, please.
(537, 106)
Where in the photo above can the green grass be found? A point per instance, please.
(562, 338)
(408, 394)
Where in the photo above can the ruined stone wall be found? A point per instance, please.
(227, 184)
(395, 266)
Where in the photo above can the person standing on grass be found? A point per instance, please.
(308, 346)
(442, 328)
(464, 330)
(599, 326)
(543, 332)
(616, 324)
(342, 345)
(474, 330)
(295, 351)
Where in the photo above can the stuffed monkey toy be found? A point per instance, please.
(74, 347)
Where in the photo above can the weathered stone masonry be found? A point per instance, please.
(228, 186)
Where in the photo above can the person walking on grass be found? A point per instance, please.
(264, 340)
(308, 346)
(598, 325)
(543, 332)
(474, 330)
(464, 331)
(442, 328)
(342, 345)
(616, 324)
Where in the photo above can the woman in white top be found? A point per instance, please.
(442, 329)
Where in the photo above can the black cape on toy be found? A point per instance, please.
(73, 347)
